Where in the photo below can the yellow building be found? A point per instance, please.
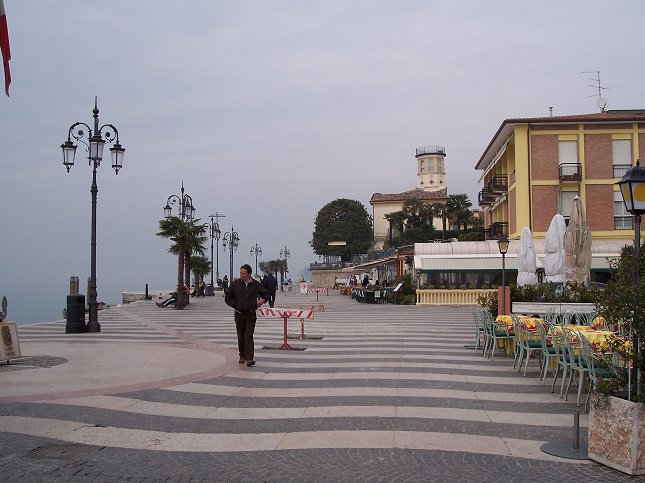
(431, 188)
(534, 167)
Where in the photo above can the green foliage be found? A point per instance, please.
(407, 295)
(489, 301)
(554, 292)
(624, 303)
(458, 210)
(342, 220)
(200, 266)
(413, 224)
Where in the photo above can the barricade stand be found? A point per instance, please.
(317, 291)
(285, 314)
(312, 308)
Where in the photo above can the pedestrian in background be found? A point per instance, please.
(270, 283)
(245, 295)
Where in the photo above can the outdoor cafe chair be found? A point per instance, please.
(573, 340)
(552, 317)
(478, 317)
(593, 360)
(562, 358)
(494, 334)
(549, 354)
(586, 318)
(526, 341)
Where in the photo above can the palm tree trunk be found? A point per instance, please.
(179, 300)
(187, 270)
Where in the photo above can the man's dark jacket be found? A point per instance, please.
(270, 283)
(244, 298)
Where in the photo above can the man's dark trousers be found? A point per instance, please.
(245, 325)
(271, 299)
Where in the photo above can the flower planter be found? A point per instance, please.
(617, 436)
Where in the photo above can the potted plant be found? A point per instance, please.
(617, 415)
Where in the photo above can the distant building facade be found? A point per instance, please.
(533, 168)
(431, 188)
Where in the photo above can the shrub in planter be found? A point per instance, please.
(617, 418)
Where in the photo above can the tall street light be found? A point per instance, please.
(184, 203)
(632, 186)
(232, 241)
(215, 233)
(257, 249)
(284, 254)
(218, 233)
(502, 243)
(81, 131)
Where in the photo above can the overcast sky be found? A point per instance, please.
(268, 110)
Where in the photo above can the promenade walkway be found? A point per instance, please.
(389, 393)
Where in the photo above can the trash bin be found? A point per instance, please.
(75, 314)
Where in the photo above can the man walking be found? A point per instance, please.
(270, 283)
(245, 295)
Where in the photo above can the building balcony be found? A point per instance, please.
(570, 173)
(620, 170)
(496, 230)
(485, 197)
(498, 184)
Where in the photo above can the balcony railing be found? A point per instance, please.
(620, 170)
(496, 230)
(498, 184)
(431, 150)
(485, 197)
(570, 173)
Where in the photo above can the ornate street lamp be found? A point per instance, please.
(632, 186)
(502, 244)
(95, 144)
(257, 249)
(183, 202)
(284, 254)
(232, 241)
(215, 234)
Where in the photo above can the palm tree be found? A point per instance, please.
(438, 210)
(177, 231)
(194, 244)
(458, 208)
(200, 266)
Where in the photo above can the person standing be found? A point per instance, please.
(270, 283)
(245, 295)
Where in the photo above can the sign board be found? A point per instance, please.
(9, 344)
(288, 313)
(398, 286)
(303, 288)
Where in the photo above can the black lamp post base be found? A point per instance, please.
(210, 291)
(93, 327)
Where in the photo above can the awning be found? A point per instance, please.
(489, 263)
(429, 263)
(369, 265)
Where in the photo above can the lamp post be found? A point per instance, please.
(215, 233)
(502, 244)
(218, 233)
(284, 254)
(232, 240)
(183, 202)
(632, 187)
(95, 144)
(257, 249)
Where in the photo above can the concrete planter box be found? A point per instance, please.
(540, 308)
(617, 436)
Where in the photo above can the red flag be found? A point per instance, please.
(4, 47)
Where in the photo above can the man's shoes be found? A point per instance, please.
(159, 304)
(250, 363)
(242, 361)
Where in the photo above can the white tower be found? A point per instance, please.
(431, 170)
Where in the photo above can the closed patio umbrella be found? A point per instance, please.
(554, 245)
(577, 246)
(526, 262)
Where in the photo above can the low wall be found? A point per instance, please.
(451, 297)
(540, 308)
(326, 278)
(129, 297)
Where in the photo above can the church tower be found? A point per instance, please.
(431, 170)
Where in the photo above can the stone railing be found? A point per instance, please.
(451, 297)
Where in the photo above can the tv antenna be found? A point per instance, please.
(601, 102)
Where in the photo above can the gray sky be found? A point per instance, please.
(267, 110)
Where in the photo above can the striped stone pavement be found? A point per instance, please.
(381, 392)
